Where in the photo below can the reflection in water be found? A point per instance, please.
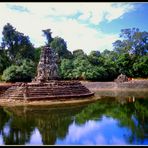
(28, 123)
(114, 119)
(16, 130)
(133, 116)
(36, 138)
(95, 133)
(1, 140)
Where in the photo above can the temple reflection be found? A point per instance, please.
(50, 122)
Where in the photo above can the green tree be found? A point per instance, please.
(84, 70)
(124, 64)
(16, 44)
(47, 34)
(10, 73)
(79, 53)
(132, 50)
(80, 67)
(4, 61)
(60, 46)
(140, 67)
(133, 41)
(109, 63)
(66, 68)
(94, 57)
(24, 72)
(136, 41)
(37, 54)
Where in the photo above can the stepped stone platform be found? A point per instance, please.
(47, 91)
(47, 84)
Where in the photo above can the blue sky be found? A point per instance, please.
(87, 26)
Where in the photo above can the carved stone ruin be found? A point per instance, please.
(121, 78)
(47, 67)
(46, 85)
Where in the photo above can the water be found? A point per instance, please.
(118, 118)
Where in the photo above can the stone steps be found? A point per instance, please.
(49, 91)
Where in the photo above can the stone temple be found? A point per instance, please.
(47, 67)
(47, 84)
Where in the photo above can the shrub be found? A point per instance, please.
(24, 72)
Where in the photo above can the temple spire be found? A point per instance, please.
(47, 67)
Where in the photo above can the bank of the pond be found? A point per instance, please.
(130, 85)
(71, 101)
(93, 86)
(133, 84)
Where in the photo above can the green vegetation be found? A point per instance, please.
(129, 56)
(15, 73)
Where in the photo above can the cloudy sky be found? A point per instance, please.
(88, 26)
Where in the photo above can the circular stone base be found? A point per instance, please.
(48, 91)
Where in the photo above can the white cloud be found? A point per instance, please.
(117, 10)
(1, 140)
(7, 129)
(35, 139)
(77, 35)
(104, 132)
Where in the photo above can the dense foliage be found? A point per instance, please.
(16, 45)
(15, 73)
(129, 56)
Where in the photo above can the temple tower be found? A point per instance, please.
(47, 67)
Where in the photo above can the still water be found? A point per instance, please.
(118, 118)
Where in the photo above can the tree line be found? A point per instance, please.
(19, 57)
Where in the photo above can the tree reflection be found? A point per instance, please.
(4, 118)
(54, 122)
(20, 129)
(133, 115)
(51, 123)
